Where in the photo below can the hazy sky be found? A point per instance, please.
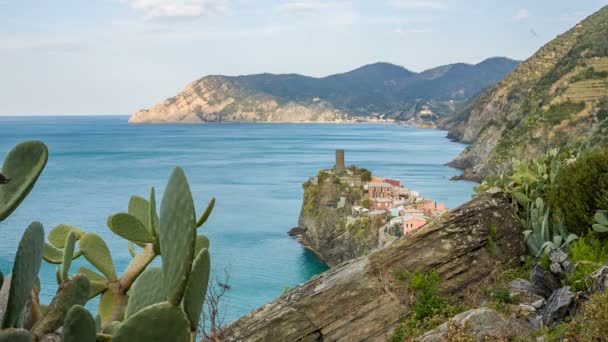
(116, 56)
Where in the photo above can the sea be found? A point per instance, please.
(255, 171)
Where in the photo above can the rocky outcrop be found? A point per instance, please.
(483, 324)
(326, 225)
(354, 300)
(225, 99)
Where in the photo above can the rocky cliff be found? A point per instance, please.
(325, 224)
(356, 301)
(556, 98)
(381, 89)
(225, 99)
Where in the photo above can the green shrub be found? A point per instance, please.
(559, 112)
(586, 253)
(428, 300)
(589, 74)
(366, 175)
(582, 190)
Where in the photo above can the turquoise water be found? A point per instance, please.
(254, 170)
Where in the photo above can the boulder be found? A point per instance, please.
(481, 324)
(544, 280)
(560, 264)
(560, 304)
(526, 289)
(355, 300)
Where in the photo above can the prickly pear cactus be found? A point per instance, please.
(601, 221)
(157, 323)
(15, 335)
(25, 271)
(79, 326)
(177, 235)
(22, 167)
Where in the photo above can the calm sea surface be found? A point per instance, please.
(254, 170)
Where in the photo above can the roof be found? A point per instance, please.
(380, 184)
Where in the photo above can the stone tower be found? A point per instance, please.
(340, 160)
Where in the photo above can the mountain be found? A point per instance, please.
(376, 89)
(556, 98)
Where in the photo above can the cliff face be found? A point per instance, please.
(380, 88)
(355, 301)
(556, 98)
(324, 225)
(225, 99)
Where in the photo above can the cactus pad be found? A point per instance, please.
(15, 335)
(177, 235)
(98, 282)
(25, 272)
(79, 326)
(130, 227)
(147, 290)
(140, 208)
(201, 242)
(68, 252)
(157, 323)
(153, 215)
(59, 233)
(97, 253)
(197, 288)
(53, 255)
(22, 166)
(206, 213)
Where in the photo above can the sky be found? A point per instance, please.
(75, 57)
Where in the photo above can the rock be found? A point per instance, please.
(560, 265)
(544, 280)
(354, 300)
(535, 322)
(524, 286)
(557, 270)
(600, 279)
(331, 232)
(558, 256)
(568, 267)
(482, 324)
(527, 308)
(539, 304)
(559, 305)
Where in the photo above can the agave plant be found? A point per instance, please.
(543, 235)
(601, 219)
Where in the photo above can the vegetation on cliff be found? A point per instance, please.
(556, 98)
(324, 221)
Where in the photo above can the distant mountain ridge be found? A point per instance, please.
(380, 89)
(556, 98)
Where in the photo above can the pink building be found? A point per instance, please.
(412, 224)
(379, 190)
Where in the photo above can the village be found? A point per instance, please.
(403, 210)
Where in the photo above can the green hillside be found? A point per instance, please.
(556, 98)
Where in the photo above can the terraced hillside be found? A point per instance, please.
(556, 98)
